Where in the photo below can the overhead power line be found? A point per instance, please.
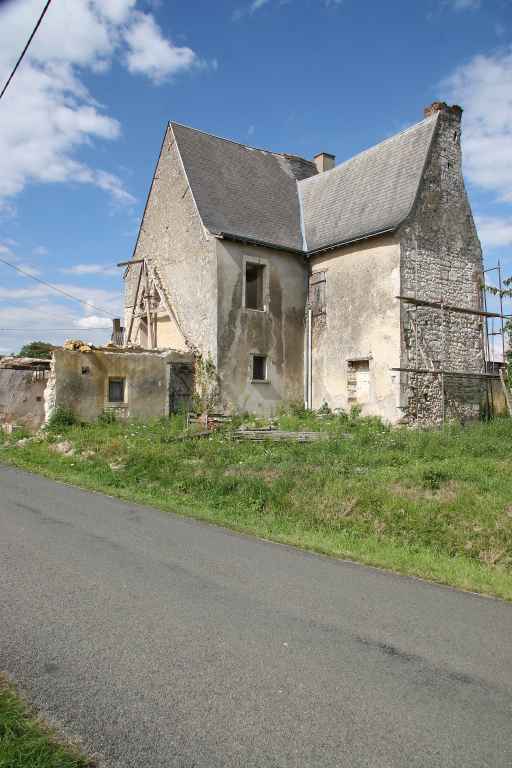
(58, 290)
(25, 48)
(55, 330)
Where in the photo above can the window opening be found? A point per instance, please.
(254, 286)
(259, 368)
(358, 381)
(116, 390)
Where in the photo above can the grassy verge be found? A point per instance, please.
(25, 742)
(435, 504)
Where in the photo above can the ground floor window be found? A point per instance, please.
(116, 390)
(259, 368)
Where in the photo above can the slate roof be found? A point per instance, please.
(281, 201)
(244, 192)
(371, 193)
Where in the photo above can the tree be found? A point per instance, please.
(505, 293)
(37, 349)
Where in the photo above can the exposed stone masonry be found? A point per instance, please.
(441, 261)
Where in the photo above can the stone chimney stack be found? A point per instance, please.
(441, 106)
(324, 161)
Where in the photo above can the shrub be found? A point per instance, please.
(107, 417)
(61, 418)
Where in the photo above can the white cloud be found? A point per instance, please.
(91, 269)
(40, 317)
(465, 5)
(47, 112)
(29, 269)
(494, 231)
(483, 87)
(257, 4)
(150, 53)
(92, 321)
(40, 250)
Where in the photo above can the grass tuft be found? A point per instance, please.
(25, 742)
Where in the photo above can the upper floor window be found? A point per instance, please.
(254, 286)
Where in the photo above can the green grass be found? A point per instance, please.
(435, 504)
(26, 742)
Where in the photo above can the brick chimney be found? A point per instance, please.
(324, 161)
(441, 106)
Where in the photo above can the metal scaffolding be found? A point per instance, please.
(492, 369)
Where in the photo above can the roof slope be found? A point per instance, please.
(244, 192)
(371, 193)
(281, 201)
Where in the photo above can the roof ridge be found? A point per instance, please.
(239, 143)
(431, 118)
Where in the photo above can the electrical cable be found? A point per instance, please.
(25, 48)
(58, 290)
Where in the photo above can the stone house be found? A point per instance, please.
(351, 284)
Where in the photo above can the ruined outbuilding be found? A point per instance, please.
(91, 381)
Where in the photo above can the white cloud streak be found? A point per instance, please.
(483, 86)
(47, 112)
(466, 5)
(494, 231)
(91, 269)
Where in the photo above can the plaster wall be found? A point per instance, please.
(168, 334)
(277, 332)
(441, 261)
(173, 237)
(22, 397)
(80, 382)
(361, 321)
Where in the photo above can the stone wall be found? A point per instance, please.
(173, 237)
(441, 261)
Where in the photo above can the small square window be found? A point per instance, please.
(116, 390)
(259, 368)
(254, 284)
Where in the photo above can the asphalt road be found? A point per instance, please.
(161, 641)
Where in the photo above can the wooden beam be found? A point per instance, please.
(440, 371)
(148, 308)
(132, 318)
(129, 263)
(449, 307)
(506, 392)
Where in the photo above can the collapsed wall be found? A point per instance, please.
(22, 385)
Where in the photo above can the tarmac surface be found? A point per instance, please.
(162, 641)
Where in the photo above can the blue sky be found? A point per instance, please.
(82, 122)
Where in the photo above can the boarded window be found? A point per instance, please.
(358, 381)
(317, 293)
(254, 293)
(259, 368)
(116, 389)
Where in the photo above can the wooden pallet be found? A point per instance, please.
(278, 434)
